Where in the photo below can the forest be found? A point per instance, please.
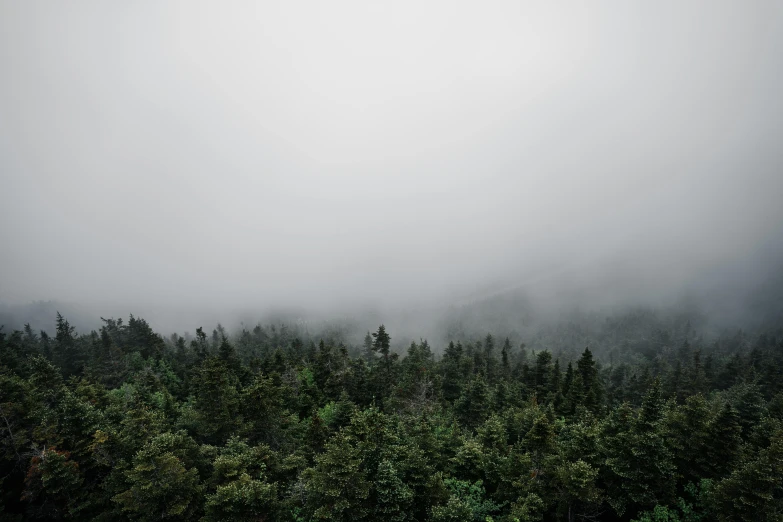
(358, 261)
(651, 422)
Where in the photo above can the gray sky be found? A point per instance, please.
(303, 153)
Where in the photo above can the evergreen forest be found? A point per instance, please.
(651, 423)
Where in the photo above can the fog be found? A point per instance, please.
(221, 160)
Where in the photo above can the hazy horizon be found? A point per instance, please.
(349, 157)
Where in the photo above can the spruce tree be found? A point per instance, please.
(393, 498)
(724, 442)
(337, 486)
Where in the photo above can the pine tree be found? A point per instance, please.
(53, 485)
(337, 486)
(382, 342)
(369, 353)
(593, 388)
(568, 380)
(724, 442)
(576, 393)
(66, 354)
(505, 354)
(242, 500)
(754, 491)
(543, 375)
(575, 484)
(239, 489)
(557, 378)
(696, 379)
(471, 407)
(540, 439)
(638, 459)
(392, 497)
(163, 482)
(489, 358)
(382, 345)
(689, 428)
(452, 372)
(216, 399)
(199, 344)
(30, 341)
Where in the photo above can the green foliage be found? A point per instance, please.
(576, 486)
(393, 498)
(337, 486)
(472, 406)
(659, 514)
(649, 424)
(162, 482)
(529, 508)
(217, 399)
(53, 484)
(684, 511)
(467, 501)
(724, 442)
(239, 487)
(754, 491)
(244, 499)
(638, 459)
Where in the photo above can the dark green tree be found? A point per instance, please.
(163, 482)
(337, 486)
(393, 498)
(754, 491)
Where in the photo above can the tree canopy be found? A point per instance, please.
(280, 423)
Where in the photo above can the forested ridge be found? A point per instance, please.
(649, 420)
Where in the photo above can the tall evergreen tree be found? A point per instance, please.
(369, 353)
(505, 354)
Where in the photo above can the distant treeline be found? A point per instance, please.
(651, 422)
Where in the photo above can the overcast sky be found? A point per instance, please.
(243, 153)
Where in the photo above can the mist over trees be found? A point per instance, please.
(652, 420)
(405, 261)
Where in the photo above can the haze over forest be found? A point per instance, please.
(193, 163)
(354, 261)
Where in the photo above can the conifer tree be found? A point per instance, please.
(724, 442)
(471, 407)
(452, 371)
(754, 491)
(489, 358)
(368, 353)
(505, 354)
(543, 375)
(393, 498)
(337, 485)
(162, 482)
(66, 355)
(382, 345)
